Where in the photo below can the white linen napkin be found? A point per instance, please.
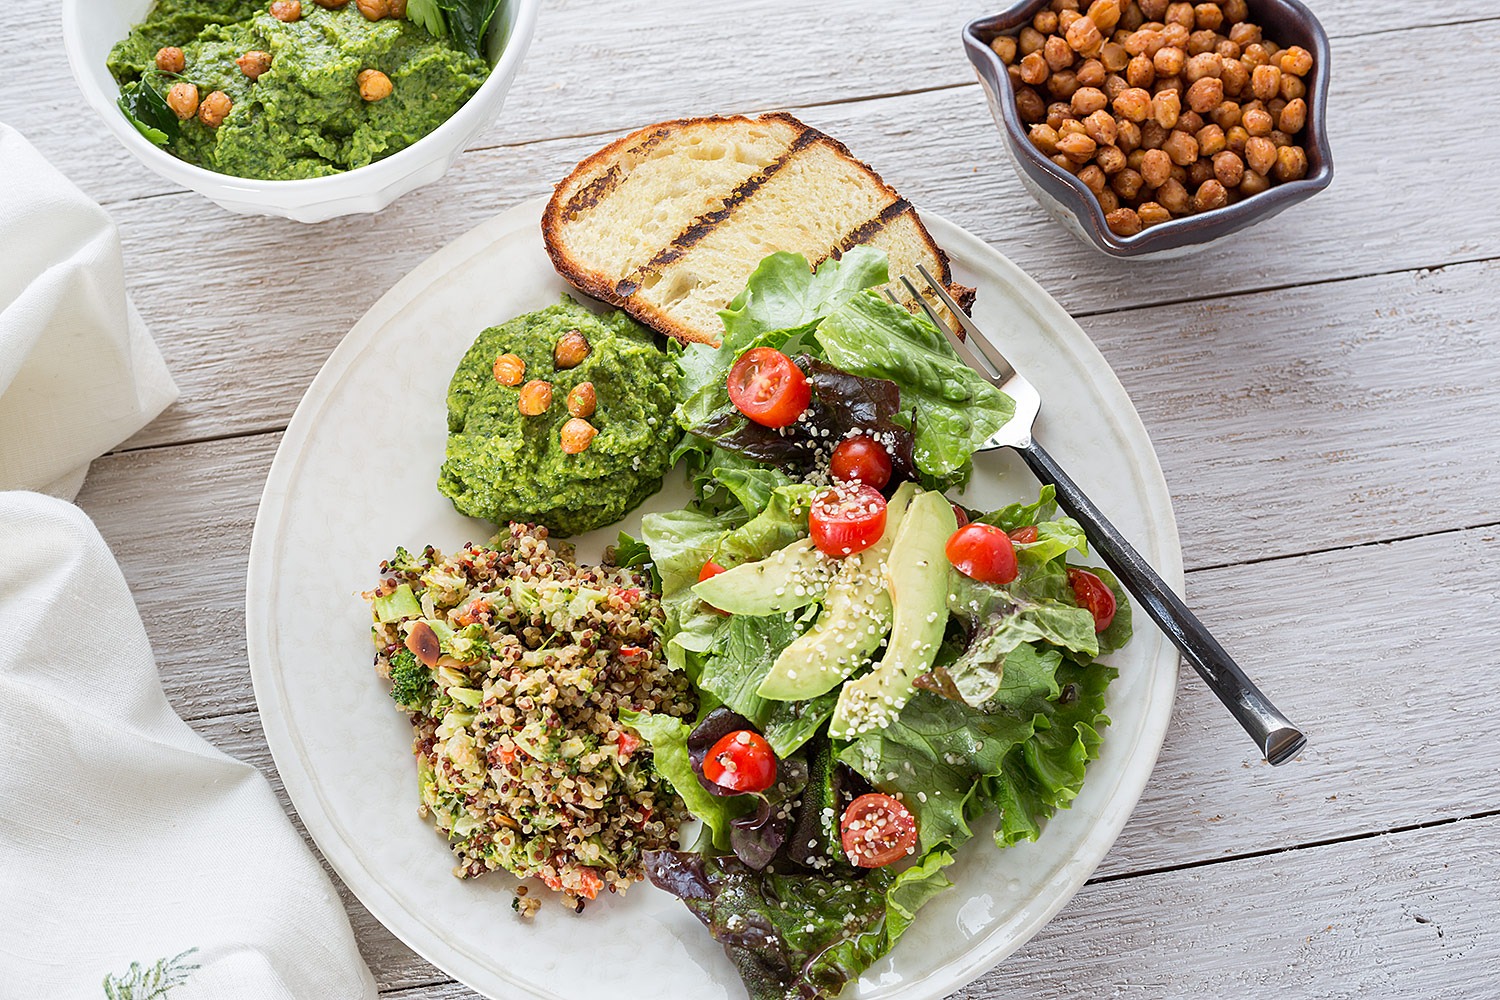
(136, 861)
(124, 836)
(79, 373)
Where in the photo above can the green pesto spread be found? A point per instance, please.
(504, 466)
(304, 117)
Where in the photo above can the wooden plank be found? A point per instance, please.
(239, 335)
(597, 67)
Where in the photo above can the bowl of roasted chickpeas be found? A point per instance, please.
(1149, 127)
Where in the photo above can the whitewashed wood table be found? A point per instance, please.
(1322, 391)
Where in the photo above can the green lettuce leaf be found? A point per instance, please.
(742, 655)
(911, 890)
(782, 522)
(956, 409)
(669, 754)
(1020, 515)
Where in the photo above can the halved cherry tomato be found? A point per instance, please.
(711, 569)
(846, 519)
(983, 552)
(877, 830)
(861, 459)
(960, 515)
(1093, 593)
(742, 762)
(768, 387)
(1024, 536)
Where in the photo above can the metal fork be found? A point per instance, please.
(1277, 738)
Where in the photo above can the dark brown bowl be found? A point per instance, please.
(1286, 22)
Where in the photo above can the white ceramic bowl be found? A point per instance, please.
(92, 27)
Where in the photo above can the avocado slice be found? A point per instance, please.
(855, 619)
(789, 578)
(917, 575)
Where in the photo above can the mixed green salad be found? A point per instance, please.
(878, 668)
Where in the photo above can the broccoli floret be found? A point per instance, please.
(412, 686)
(468, 645)
(404, 562)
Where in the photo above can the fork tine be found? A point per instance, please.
(892, 296)
(954, 340)
(1003, 368)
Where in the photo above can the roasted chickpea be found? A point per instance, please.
(1169, 60)
(1174, 197)
(1093, 178)
(1156, 167)
(1227, 51)
(183, 100)
(332, 4)
(1014, 72)
(582, 399)
(1245, 34)
(215, 108)
(576, 435)
(1034, 69)
(1200, 42)
(571, 349)
(287, 10)
(1181, 147)
(1087, 100)
(1236, 79)
(1066, 18)
(1260, 154)
(1110, 159)
(1114, 57)
(1108, 200)
(1044, 137)
(1254, 183)
(510, 369)
(1235, 11)
(1030, 40)
(1004, 46)
(1208, 15)
(1166, 108)
(1092, 73)
(1226, 115)
(1084, 36)
(1045, 21)
(1063, 84)
(1293, 117)
(1056, 53)
(1235, 138)
(1190, 122)
(1210, 140)
(254, 63)
(1206, 94)
(1265, 82)
(1296, 60)
(1153, 135)
(1176, 35)
(1292, 87)
(1140, 43)
(1152, 213)
(1136, 158)
(1199, 171)
(1257, 121)
(1123, 222)
(1210, 195)
(1105, 14)
(1199, 67)
(1180, 13)
(1100, 127)
(1127, 184)
(1229, 169)
(1127, 134)
(1134, 104)
(1154, 9)
(373, 85)
(1059, 113)
(1077, 147)
(374, 10)
(171, 59)
(1166, 84)
(1030, 106)
(1065, 162)
(1291, 163)
(1140, 72)
(535, 398)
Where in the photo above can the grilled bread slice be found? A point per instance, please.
(670, 221)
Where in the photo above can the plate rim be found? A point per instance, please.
(290, 758)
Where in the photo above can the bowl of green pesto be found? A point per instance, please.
(306, 109)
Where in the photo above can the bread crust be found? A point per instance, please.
(599, 165)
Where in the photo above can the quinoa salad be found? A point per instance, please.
(513, 663)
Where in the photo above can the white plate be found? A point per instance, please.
(355, 476)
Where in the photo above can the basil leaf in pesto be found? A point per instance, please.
(147, 110)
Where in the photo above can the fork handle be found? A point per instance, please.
(1277, 738)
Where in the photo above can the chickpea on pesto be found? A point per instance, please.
(560, 418)
(287, 89)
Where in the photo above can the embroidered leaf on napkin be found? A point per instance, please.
(141, 983)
